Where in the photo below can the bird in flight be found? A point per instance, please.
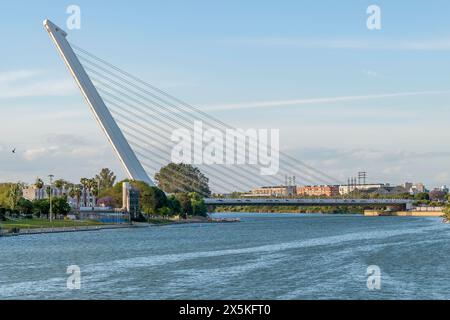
(14, 150)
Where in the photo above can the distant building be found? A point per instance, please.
(130, 208)
(317, 191)
(408, 185)
(389, 190)
(275, 191)
(417, 188)
(130, 200)
(32, 193)
(346, 189)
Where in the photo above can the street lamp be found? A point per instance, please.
(51, 191)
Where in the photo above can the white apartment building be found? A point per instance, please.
(87, 199)
(346, 189)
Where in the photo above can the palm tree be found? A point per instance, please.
(75, 192)
(84, 183)
(88, 185)
(39, 184)
(60, 183)
(91, 185)
(78, 192)
(105, 178)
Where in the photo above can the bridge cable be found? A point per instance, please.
(101, 82)
(191, 107)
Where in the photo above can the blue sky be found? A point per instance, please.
(345, 98)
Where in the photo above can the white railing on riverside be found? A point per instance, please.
(429, 209)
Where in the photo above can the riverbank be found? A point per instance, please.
(190, 220)
(34, 228)
(377, 213)
(34, 231)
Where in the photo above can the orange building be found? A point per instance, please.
(317, 191)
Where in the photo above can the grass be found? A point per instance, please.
(159, 221)
(44, 223)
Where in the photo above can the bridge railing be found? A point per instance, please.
(218, 201)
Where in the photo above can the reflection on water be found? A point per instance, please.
(266, 256)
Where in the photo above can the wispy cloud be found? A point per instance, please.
(12, 76)
(371, 73)
(297, 102)
(64, 146)
(33, 83)
(355, 44)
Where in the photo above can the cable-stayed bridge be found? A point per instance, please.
(398, 203)
(139, 119)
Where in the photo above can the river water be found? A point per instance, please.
(266, 256)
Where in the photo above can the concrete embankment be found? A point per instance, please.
(67, 229)
(191, 220)
(118, 226)
(377, 213)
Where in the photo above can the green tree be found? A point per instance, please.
(60, 183)
(84, 184)
(75, 193)
(60, 206)
(14, 195)
(39, 183)
(165, 211)
(236, 194)
(178, 178)
(115, 193)
(185, 203)
(89, 185)
(422, 196)
(4, 192)
(198, 205)
(25, 206)
(41, 207)
(106, 178)
(152, 199)
(174, 204)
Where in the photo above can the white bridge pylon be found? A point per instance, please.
(126, 155)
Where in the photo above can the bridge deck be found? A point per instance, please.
(309, 202)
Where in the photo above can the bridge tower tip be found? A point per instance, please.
(51, 27)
